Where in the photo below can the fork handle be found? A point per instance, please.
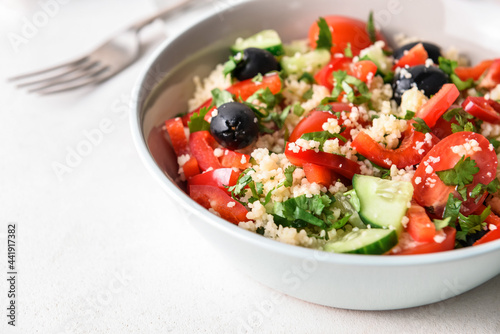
(144, 22)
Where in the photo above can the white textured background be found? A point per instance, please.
(102, 249)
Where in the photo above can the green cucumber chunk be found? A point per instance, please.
(300, 46)
(383, 203)
(374, 241)
(311, 62)
(266, 39)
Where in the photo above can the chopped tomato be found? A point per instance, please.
(220, 178)
(317, 174)
(492, 77)
(442, 128)
(314, 121)
(335, 162)
(191, 168)
(438, 104)
(417, 55)
(486, 110)
(364, 70)
(431, 193)
(218, 200)
(428, 247)
(492, 234)
(410, 152)
(175, 130)
(420, 226)
(244, 89)
(201, 144)
(235, 159)
(344, 30)
(475, 72)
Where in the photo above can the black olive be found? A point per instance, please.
(429, 79)
(470, 239)
(253, 62)
(433, 51)
(235, 125)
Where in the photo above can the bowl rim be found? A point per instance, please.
(237, 232)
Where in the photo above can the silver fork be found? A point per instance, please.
(102, 63)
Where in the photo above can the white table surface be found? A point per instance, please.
(101, 249)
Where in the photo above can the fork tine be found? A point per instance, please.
(87, 71)
(39, 79)
(88, 79)
(73, 63)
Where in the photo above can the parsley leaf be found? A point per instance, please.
(243, 180)
(348, 51)
(452, 209)
(324, 40)
(289, 175)
(441, 223)
(471, 224)
(495, 143)
(461, 174)
(448, 66)
(421, 126)
(343, 83)
(298, 110)
(409, 115)
(322, 136)
(220, 97)
(462, 119)
(231, 64)
(370, 28)
(307, 77)
(197, 121)
(257, 78)
(308, 94)
(491, 188)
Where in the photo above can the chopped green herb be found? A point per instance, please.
(409, 115)
(220, 97)
(471, 224)
(461, 174)
(462, 119)
(348, 51)
(289, 176)
(197, 121)
(370, 28)
(480, 188)
(308, 94)
(307, 77)
(452, 209)
(448, 66)
(299, 111)
(441, 223)
(231, 64)
(257, 78)
(260, 230)
(322, 136)
(421, 126)
(324, 40)
(495, 143)
(343, 83)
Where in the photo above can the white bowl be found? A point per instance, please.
(340, 280)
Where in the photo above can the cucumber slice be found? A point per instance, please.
(266, 39)
(383, 203)
(368, 241)
(311, 62)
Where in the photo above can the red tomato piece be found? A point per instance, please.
(486, 110)
(191, 168)
(317, 174)
(314, 121)
(492, 77)
(335, 162)
(429, 247)
(475, 72)
(175, 130)
(410, 152)
(420, 226)
(415, 56)
(220, 178)
(442, 128)
(235, 159)
(220, 201)
(493, 234)
(201, 144)
(431, 193)
(438, 104)
(364, 70)
(243, 89)
(344, 30)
